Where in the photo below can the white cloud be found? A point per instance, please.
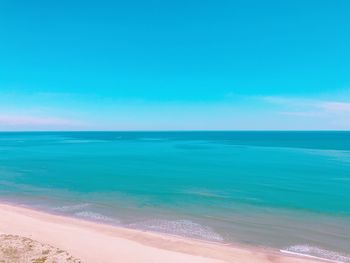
(7, 121)
(304, 106)
(335, 106)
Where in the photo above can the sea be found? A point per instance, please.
(286, 190)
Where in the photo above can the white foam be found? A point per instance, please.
(71, 208)
(95, 217)
(179, 227)
(317, 253)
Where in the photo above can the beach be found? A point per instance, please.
(174, 131)
(93, 242)
(281, 191)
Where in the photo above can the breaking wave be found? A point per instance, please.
(185, 228)
(71, 208)
(89, 215)
(317, 253)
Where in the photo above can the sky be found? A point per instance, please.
(174, 65)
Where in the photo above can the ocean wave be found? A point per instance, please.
(337, 155)
(153, 139)
(71, 208)
(204, 193)
(192, 147)
(80, 141)
(96, 217)
(185, 228)
(341, 179)
(317, 253)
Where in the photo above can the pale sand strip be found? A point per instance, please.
(98, 243)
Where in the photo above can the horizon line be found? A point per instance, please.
(252, 130)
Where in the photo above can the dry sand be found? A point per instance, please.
(97, 243)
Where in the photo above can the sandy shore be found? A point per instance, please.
(93, 242)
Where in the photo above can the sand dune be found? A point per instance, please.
(17, 249)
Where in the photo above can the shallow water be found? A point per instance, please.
(286, 190)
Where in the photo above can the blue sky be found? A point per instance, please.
(174, 65)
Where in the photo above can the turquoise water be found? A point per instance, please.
(286, 190)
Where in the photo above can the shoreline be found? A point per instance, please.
(98, 242)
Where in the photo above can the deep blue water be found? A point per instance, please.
(287, 190)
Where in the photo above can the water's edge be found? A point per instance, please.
(337, 258)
